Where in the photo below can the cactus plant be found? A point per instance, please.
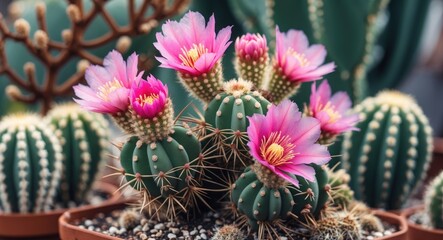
(341, 193)
(30, 165)
(434, 202)
(388, 157)
(340, 225)
(84, 137)
(229, 232)
(161, 169)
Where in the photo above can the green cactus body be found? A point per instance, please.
(434, 202)
(160, 167)
(230, 109)
(341, 193)
(84, 137)
(258, 201)
(391, 152)
(30, 165)
(311, 197)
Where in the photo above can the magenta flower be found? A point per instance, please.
(149, 97)
(190, 47)
(251, 47)
(298, 61)
(332, 112)
(284, 142)
(108, 86)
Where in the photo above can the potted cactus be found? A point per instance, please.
(426, 221)
(252, 165)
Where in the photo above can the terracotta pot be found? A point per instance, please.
(395, 220)
(417, 231)
(43, 225)
(68, 231)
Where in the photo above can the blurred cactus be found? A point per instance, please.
(340, 225)
(229, 232)
(434, 201)
(31, 164)
(388, 157)
(341, 193)
(84, 139)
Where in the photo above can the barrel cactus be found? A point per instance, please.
(31, 163)
(434, 202)
(388, 157)
(84, 138)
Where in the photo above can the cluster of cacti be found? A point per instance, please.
(390, 154)
(84, 139)
(31, 162)
(229, 232)
(434, 202)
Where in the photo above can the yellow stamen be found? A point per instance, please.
(334, 115)
(147, 99)
(274, 147)
(301, 57)
(108, 88)
(189, 57)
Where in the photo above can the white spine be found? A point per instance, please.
(23, 170)
(3, 188)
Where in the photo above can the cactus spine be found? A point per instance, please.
(84, 138)
(434, 202)
(341, 225)
(391, 152)
(30, 165)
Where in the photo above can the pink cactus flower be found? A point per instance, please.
(251, 47)
(332, 112)
(284, 142)
(108, 86)
(190, 47)
(149, 98)
(298, 61)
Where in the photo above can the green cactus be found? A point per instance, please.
(259, 201)
(341, 194)
(390, 154)
(162, 169)
(31, 162)
(434, 202)
(274, 199)
(84, 138)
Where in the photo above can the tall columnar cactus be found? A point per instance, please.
(434, 202)
(31, 163)
(391, 152)
(84, 139)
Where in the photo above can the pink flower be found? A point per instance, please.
(299, 61)
(108, 86)
(251, 47)
(149, 97)
(331, 111)
(190, 47)
(284, 142)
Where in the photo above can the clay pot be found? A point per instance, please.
(417, 231)
(43, 225)
(68, 231)
(395, 220)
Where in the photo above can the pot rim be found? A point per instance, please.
(46, 220)
(395, 220)
(409, 211)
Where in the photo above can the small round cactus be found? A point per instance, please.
(261, 198)
(370, 223)
(84, 137)
(341, 225)
(31, 163)
(388, 157)
(129, 219)
(434, 202)
(341, 193)
(229, 232)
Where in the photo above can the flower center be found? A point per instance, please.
(189, 57)
(301, 57)
(334, 116)
(277, 149)
(108, 88)
(147, 99)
